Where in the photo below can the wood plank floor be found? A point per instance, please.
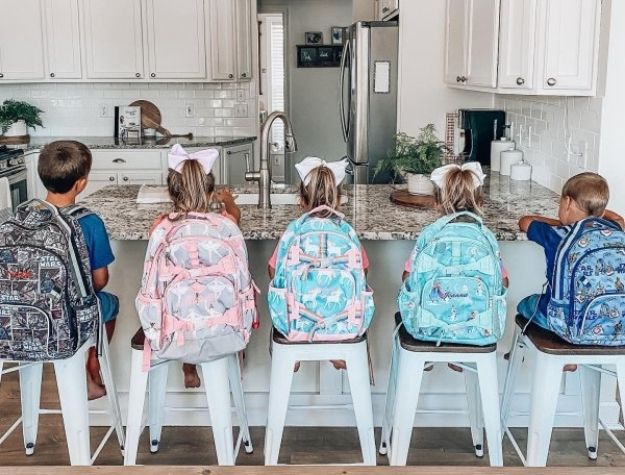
(194, 445)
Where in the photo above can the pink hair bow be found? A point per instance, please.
(178, 155)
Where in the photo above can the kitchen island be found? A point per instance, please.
(388, 233)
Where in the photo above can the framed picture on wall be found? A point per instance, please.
(314, 37)
(306, 57)
(337, 34)
(325, 56)
(319, 56)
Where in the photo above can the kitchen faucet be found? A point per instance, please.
(263, 175)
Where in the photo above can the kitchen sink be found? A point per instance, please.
(276, 199)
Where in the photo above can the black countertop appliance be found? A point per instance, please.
(479, 127)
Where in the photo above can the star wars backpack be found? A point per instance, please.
(587, 305)
(319, 291)
(454, 293)
(48, 307)
(197, 299)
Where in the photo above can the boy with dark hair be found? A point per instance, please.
(63, 168)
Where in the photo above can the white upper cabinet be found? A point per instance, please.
(386, 9)
(570, 43)
(483, 43)
(62, 39)
(244, 38)
(21, 40)
(113, 31)
(457, 41)
(176, 39)
(517, 44)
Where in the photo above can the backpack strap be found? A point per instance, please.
(76, 211)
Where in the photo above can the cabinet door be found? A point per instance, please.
(483, 43)
(21, 40)
(63, 39)
(387, 8)
(517, 43)
(98, 180)
(571, 44)
(140, 178)
(222, 44)
(244, 38)
(176, 39)
(113, 39)
(235, 161)
(457, 39)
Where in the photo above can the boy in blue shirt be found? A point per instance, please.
(63, 168)
(583, 195)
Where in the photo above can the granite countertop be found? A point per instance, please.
(37, 143)
(369, 210)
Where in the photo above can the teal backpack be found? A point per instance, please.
(454, 293)
(319, 291)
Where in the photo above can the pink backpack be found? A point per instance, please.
(197, 298)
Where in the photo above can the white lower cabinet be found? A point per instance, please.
(98, 180)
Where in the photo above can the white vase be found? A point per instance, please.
(17, 129)
(420, 184)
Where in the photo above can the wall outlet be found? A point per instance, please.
(106, 111)
(240, 110)
(189, 110)
(241, 95)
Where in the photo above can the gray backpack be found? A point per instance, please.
(48, 307)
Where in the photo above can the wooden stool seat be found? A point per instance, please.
(138, 340)
(279, 338)
(550, 343)
(409, 343)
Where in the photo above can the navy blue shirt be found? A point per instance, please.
(97, 239)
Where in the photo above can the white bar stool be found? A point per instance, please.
(72, 386)
(224, 376)
(284, 357)
(550, 355)
(410, 357)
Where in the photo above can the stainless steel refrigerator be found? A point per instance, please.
(368, 96)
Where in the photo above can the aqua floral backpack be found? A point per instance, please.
(454, 293)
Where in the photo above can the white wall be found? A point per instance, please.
(363, 10)
(423, 95)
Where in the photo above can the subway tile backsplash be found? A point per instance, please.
(87, 109)
(564, 137)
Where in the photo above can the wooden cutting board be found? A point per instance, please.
(403, 198)
(151, 118)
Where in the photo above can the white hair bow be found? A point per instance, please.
(178, 155)
(310, 163)
(438, 175)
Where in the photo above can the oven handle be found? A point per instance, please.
(17, 177)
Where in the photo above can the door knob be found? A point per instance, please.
(552, 82)
(520, 81)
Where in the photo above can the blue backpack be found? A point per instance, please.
(319, 291)
(454, 293)
(587, 305)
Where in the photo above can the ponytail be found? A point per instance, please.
(321, 190)
(191, 190)
(459, 193)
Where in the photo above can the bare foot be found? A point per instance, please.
(93, 367)
(339, 364)
(191, 378)
(455, 367)
(94, 390)
(570, 368)
(296, 367)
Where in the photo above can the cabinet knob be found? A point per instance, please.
(125, 178)
(243, 75)
(463, 79)
(520, 81)
(230, 75)
(119, 160)
(458, 79)
(229, 152)
(137, 75)
(385, 9)
(52, 75)
(111, 178)
(153, 75)
(1, 75)
(552, 82)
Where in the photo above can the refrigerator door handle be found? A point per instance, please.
(344, 124)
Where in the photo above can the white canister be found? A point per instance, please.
(521, 171)
(509, 158)
(420, 184)
(496, 147)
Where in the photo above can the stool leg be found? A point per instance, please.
(514, 366)
(544, 399)
(1, 365)
(218, 398)
(389, 403)
(71, 380)
(111, 393)
(279, 390)
(360, 388)
(489, 391)
(30, 392)
(407, 390)
(157, 382)
(136, 401)
(620, 376)
(590, 381)
(475, 412)
(236, 386)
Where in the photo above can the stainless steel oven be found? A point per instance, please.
(13, 168)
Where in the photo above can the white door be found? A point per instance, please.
(571, 44)
(244, 38)
(21, 39)
(98, 180)
(113, 39)
(457, 41)
(517, 43)
(176, 39)
(222, 45)
(483, 43)
(140, 178)
(63, 39)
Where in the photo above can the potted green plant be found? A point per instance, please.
(16, 117)
(413, 159)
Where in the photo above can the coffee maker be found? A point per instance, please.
(479, 127)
